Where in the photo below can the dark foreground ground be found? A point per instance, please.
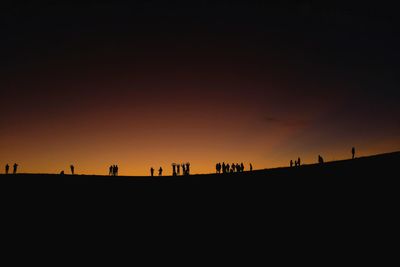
(332, 211)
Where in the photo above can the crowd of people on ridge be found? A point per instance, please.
(176, 167)
(226, 168)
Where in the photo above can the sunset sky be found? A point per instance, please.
(149, 83)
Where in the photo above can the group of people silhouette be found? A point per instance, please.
(226, 168)
(321, 159)
(176, 169)
(15, 167)
(113, 170)
(296, 162)
(72, 167)
(160, 170)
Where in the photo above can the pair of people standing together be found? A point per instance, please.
(15, 166)
(113, 170)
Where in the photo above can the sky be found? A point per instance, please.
(148, 83)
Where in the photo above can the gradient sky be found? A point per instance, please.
(152, 83)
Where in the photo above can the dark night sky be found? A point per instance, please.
(147, 83)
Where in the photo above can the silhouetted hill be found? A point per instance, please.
(337, 176)
(345, 202)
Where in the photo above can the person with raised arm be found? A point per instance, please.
(160, 171)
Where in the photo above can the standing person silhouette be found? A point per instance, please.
(15, 168)
(178, 169)
(116, 170)
(173, 169)
(188, 168)
(152, 171)
(72, 169)
(251, 167)
(183, 169)
(353, 152)
(298, 161)
(291, 163)
(160, 171)
(242, 167)
(7, 168)
(110, 170)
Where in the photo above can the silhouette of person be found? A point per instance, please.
(291, 163)
(233, 167)
(298, 161)
(320, 159)
(178, 168)
(72, 169)
(228, 167)
(251, 167)
(242, 167)
(183, 169)
(160, 171)
(217, 167)
(7, 168)
(223, 167)
(62, 173)
(116, 170)
(15, 168)
(173, 169)
(111, 169)
(152, 171)
(353, 152)
(188, 168)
